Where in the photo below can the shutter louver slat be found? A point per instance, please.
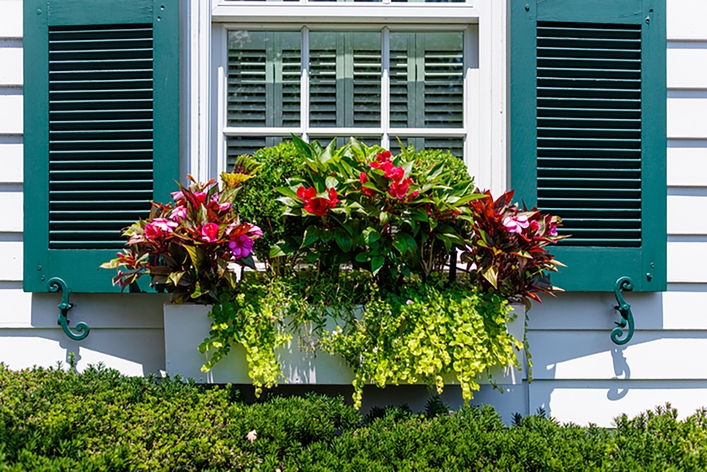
(100, 133)
(366, 88)
(444, 89)
(322, 87)
(589, 131)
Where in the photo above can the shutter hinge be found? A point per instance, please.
(623, 283)
(56, 284)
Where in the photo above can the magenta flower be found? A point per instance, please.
(209, 232)
(552, 230)
(200, 197)
(241, 246)
(164, 224)
(179, 213)
(516, 224)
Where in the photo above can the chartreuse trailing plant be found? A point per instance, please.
(99, 420)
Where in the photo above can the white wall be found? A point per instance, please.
(126, 330)
(580, 375)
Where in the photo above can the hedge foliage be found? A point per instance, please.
(57, 420)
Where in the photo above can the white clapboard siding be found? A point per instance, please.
(687, 261)
(592, 355)
(11, 18)
(599, 402)
(133, 352)
(10, 261)
(687, 164)
(11, 204)
(685, 20)
(17, 309)
(682, 212)
(687, 115)
(11, 58)
(10, 114)
(10, 163)
(687, 65)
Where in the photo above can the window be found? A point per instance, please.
(384, 73)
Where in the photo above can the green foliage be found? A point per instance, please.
(97, 420)
(426, 333)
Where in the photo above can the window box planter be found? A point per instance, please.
(186, 326)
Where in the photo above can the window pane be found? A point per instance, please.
(345, 79)
(239, 145)
(454, 145)
(427, 80)
(264, 70)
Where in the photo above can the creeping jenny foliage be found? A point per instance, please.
(54, 420)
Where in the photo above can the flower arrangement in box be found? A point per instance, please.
(397, 263)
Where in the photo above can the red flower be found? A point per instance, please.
(209, 232)
(400, 189)
(384, 156)
(392, 172)
(317, 206)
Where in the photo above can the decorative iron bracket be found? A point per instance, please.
(56, 284)
(624, 283)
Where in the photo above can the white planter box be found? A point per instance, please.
(186, 326)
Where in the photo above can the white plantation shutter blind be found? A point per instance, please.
(345, 79)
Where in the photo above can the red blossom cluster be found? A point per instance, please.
(399, 186)
(318, 206)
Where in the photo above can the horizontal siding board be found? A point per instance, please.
(687, 66)
(685, 20)
(687, 166)
(651, 355)
(687, 118)
(11, 204)
(11, 114)
(124, 311)
(11, 163)
(11, 70)
(687, 261)
(599, 402)
(18, 308)
(682, 212)
(11, 19)
(11, 257)
(133, 352)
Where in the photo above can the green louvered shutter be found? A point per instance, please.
(264, 71)
(101, 131)
(588, 134)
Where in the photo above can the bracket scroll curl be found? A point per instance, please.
(56, 284)
(624, 283)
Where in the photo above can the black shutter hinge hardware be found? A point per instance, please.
(623, 283)
(56, 284)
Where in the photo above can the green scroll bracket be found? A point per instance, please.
(56, 284)
(624, 283)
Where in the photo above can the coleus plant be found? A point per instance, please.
(189, 246)
(508, 248)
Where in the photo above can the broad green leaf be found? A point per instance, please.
(248, 261)
(370, 235)
(491, 274)
(362, 257)
(343, 239)
(331, 182)
(376, 264)
(303, 148)
(198, 256)
(287, 191)
(325, 235)
(311, 236)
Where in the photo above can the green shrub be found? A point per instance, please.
(53, 420)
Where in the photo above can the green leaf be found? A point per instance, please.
(362, 257)
(370, 235)
(287, 191)
(491, 274)
(303, 148)
(325, 235)
(198, 256)
(311, 236)
(331, 182)
(343, 239)
(248, 261)
(175, 277)
(384, 217)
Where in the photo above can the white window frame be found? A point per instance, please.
(484, 24)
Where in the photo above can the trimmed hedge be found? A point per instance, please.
(51, 419)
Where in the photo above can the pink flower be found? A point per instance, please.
(177, 196)
(534, 225)
(516, 224)
(178, 213)
(221, 206)
(164, 224)
(209, 232)
(241, 246)
(552, 230)
(251, 436)
(255, 232)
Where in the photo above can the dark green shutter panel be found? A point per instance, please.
(101, 131)
(591, 76)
